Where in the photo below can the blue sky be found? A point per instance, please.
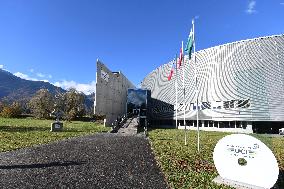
(60, 40)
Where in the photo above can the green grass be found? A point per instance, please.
(184, 167)
(20, 133)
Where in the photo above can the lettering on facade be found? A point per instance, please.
(230, 104)
(163, 109)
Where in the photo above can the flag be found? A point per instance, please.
(171, 72)
(189, 44)
(180, 58)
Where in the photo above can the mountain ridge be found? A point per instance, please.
(14, 88)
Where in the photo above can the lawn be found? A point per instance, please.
(184, 167)
(20, 133)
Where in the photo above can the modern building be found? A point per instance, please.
(232, 87)
(111, 93)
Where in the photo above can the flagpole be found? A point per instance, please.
(198, 133)
(176, 94)
(185, 134)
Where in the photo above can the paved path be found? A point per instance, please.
(97, 161)
(129, 128)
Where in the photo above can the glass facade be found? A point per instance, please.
(137, 102)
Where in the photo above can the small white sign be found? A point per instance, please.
(245, 159)
(104, 75)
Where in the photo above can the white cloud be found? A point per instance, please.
(26, 77)
(82, 87)
(32, 70)
(251, 7)
(86, 88)
(40, 75)
(1, 66)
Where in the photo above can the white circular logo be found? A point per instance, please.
(245, 159)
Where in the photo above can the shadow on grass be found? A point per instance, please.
(43, 165)
(280, 182)
(22, 129)
(28, 129)
(154, 127)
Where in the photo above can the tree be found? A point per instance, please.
(74, 104)
(42, 104)
(1, 106)
(11, 111)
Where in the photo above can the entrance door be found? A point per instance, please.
(136, 112)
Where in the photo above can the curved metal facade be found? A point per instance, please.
(240, 81)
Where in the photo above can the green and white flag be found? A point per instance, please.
(189, 44)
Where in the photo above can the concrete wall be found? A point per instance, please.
(111, 93)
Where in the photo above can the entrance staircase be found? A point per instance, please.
(129, 127)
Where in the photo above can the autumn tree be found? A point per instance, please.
(74, 104)
(11, 111)
(42, 104)
(1, 106)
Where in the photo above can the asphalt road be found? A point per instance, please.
(97, 161)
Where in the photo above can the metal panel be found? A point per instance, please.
(228, 75)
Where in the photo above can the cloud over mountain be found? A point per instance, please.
(86, 88)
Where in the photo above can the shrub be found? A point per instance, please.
(12, 111)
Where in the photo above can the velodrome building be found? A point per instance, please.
(240, 87)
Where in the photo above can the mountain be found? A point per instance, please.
(14, 88)
(89, 102)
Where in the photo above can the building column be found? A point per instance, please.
(249, 127)
(202, 123)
